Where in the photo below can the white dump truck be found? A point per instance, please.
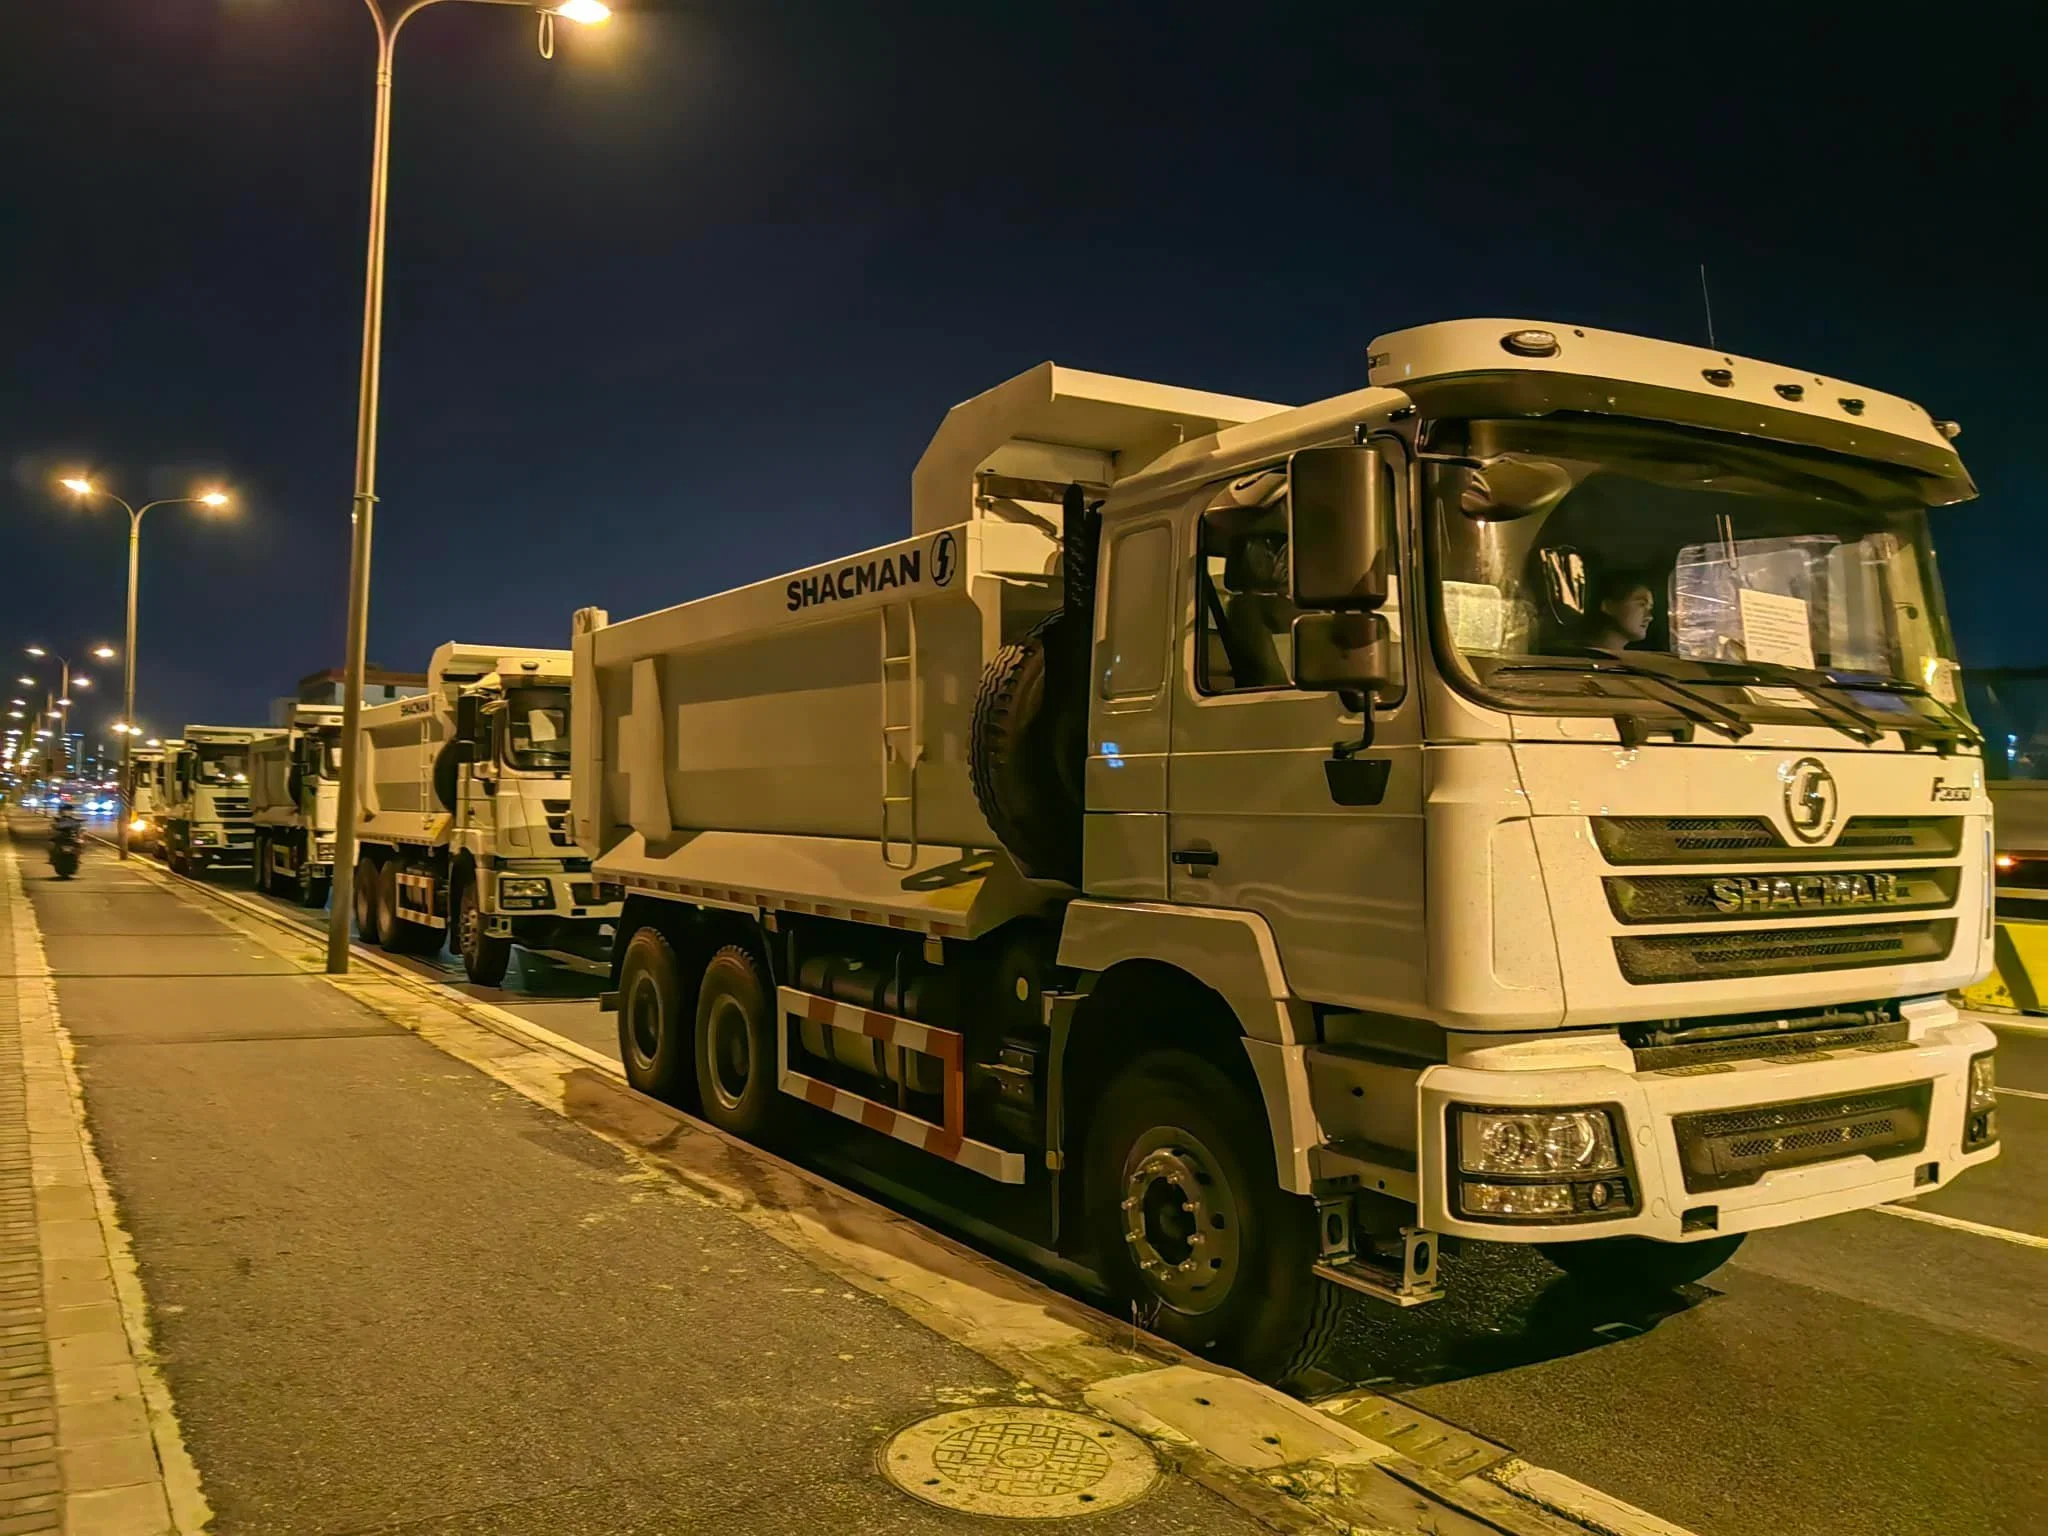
(145, 797)
(206, 814)
(463, 823)
(294, 784)
(1243, 847)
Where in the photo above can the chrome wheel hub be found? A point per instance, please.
(1181, 1220)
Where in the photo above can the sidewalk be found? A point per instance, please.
(389, 1295)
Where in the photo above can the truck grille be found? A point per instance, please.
(1727, 956)
(1728, 898)
(1727, 1149)
(231, 805)
(1753, 840)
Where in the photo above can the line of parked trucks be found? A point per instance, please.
(1243, 847)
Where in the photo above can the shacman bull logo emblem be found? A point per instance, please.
(1811, 799)
(943, 556)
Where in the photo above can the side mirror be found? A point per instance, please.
(1349, 653)
(468, 717)
(1337, 529)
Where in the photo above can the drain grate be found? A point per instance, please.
(1025, 1463)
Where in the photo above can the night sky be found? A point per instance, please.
(679, 309)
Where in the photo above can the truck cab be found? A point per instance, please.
(206, 822)
(295, 785)
(145, 797)
(465, 818)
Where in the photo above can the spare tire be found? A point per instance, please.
(447, 773)
(1029, 746)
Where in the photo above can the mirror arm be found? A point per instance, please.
(1352, 698)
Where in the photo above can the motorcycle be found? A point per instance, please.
(67, 844)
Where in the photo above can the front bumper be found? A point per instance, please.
(1649, 1105)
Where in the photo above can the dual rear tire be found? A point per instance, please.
(713, 1052)
(378, 918)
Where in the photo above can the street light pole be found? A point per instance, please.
(83, 489)
(341, 910)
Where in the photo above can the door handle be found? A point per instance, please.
(1195, 858)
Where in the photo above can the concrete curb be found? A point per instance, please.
(125, 1468)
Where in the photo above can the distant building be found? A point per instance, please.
(379, 686)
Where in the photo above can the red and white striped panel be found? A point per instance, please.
(760, 901)
(949, 1140)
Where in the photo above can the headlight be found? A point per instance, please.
(138, 825)
(515, 892)
(1980, 1122)
(1567, 1141)
(204, 837)
(1983, 1082)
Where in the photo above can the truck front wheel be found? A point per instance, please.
(1641, 1266)
(655, 1036)
(1191, 1226)
(368, 925)
(484, 958)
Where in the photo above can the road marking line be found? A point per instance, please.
(2023, 1093)
(1957, 1224)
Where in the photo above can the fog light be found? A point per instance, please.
(1516, 1199)
(1546, 1141)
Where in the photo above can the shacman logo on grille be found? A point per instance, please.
(1811, 799)
(1779, 893)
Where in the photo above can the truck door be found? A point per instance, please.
(1254, 818)
(1124, 847)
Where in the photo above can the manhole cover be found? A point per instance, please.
(1027, 1463)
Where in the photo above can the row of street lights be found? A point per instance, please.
(584, 12)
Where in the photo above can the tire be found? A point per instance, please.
(66, 864)
(1028, 747)
(366, 887)
(484, 958)
(734, 1047)
(657, 1038)
(1189, 1147)
(1640, 1266)
(313, 892)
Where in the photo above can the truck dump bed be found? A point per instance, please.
(807, 736)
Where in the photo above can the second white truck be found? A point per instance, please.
(294, 785)
(463, 826)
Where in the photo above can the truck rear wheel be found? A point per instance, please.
(735, 1046)
(397, 934)
(484, 958)
(367, 883)
(1641, 1266)
(1190, 1224)
(656, 1038)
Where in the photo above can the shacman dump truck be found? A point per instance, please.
(206, 814)
(1524, 800)
(294, 785)
(463, 824)
(145, 797)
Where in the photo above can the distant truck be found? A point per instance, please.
(463, 827)
(145, 798)
(206, 814)
(294, 785)
(1244, 847)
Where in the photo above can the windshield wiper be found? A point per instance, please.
(1844, 717)
(1946, 734)
(1696, 707)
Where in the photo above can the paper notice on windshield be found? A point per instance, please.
(1775, 629)
(1475, 614)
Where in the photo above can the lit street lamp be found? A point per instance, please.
(342, 888)
(85, 490)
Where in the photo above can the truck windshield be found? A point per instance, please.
(221, 763)
(1764, 581)
(537, 728)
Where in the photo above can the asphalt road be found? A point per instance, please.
(1869, 1375)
